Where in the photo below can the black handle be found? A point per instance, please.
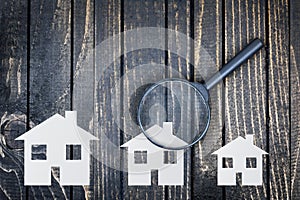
(234, 63)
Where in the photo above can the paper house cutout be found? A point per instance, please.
(144, 156)
(240, 156)
(52, 138)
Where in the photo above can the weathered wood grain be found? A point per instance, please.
(208, 36)
(295, 98)
(137, 14)
(107, 182)
(50, 69)
(246, 89)
(82, 44)
(260, 98)
(49, 59)
(13, 96)
(279, 99)
(178, 16)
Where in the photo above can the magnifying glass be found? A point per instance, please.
(181, 108)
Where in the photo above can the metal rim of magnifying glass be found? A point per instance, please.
(150, 89)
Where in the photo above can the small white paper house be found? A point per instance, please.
(47, 146)
(144, 156)
(240, 156)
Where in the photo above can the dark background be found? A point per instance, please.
(43, 45)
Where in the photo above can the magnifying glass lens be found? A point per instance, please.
(173, 114)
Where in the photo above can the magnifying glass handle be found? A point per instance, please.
(235, 62)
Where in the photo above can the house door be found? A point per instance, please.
(55, 173)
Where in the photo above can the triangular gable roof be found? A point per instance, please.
(155, 130)
(241, 145)
(61, 127)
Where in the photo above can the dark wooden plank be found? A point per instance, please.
(208, 37)
(49, 73)
(178, 15)
(13, 96)
(83, 78)
(278, 74)
(245, 90)
(140, 14)
(295, 98)
(106, 181)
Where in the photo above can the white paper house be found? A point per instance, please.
(52, 139)
(240, 156)
(144, 156)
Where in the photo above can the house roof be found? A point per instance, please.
(240, 146)
(57, 128)
(155, 130)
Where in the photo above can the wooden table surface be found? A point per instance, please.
(43, 50)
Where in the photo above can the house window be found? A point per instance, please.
(170, 157)
(73, 152)
(251, 162)
(140, 157)
(39, 152)
(227, 162)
